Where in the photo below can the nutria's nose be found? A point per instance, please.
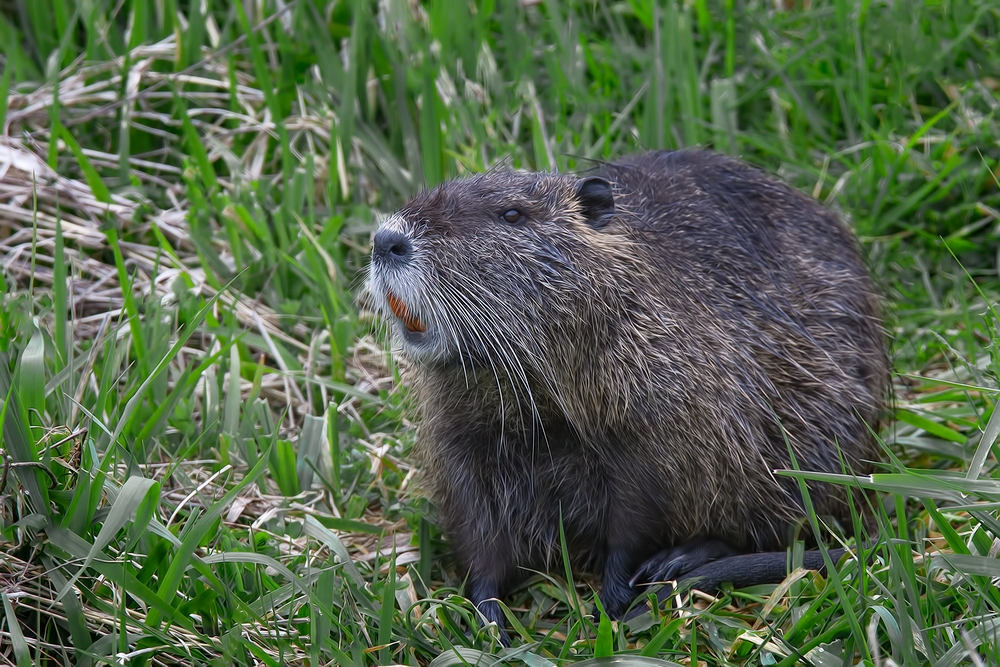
(392, 246)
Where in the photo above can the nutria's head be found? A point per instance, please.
(488, 269)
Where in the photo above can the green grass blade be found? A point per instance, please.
(193, 37)
(388, 607)
(724, 120)
(172, 579)
(989, 437)
(21, 653)
(183, 336)
(131, 309)
(850, 613)
(316, 530)
(664, 634)
(78, 548)
(231, 412)
(967, 564)
(8, 72)
(430, 130)
(138, 23)
(268, 88)
(31, 377)
(972, 639)
(604, 646)
(282, 468)
(932, 427)
(19, 444)
(60, 301)
(196, 147)
(75, 618)
(131, 496)
(90, 174)
(312, 451)
(266, 561)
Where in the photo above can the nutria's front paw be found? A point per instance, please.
(616, 598)
(671, 564)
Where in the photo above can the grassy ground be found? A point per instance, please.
(211, 466)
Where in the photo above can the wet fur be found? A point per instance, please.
(628, 374)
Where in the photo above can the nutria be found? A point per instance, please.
(629, 354)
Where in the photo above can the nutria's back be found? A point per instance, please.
(619, 350)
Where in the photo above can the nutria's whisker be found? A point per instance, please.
(474, 309)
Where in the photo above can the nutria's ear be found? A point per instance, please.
(597, 203)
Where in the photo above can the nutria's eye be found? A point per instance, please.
(512, 216)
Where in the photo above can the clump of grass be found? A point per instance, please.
(205, 450)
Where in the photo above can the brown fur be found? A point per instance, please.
(621, 358)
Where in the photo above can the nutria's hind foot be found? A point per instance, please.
(672, 563)
(743, 570)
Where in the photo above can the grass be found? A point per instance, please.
(205, 452)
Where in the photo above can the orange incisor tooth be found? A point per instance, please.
(403, 313)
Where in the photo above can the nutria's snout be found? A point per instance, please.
(395, 284)
(392, 247)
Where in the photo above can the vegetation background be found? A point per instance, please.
(205, 455)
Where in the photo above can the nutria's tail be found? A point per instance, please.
(741, 571)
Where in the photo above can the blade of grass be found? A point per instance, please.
(93, 178)
(430, 129)
(31, 379)
(131, 496)
(932, 427)
(195, 146)
(8, 72)
(77, 547)
(386, 612)
(989, 437)
(60, 301)
(183, 336)
(21, 653)
(19, 444)
(171, 581)
(75, 617)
